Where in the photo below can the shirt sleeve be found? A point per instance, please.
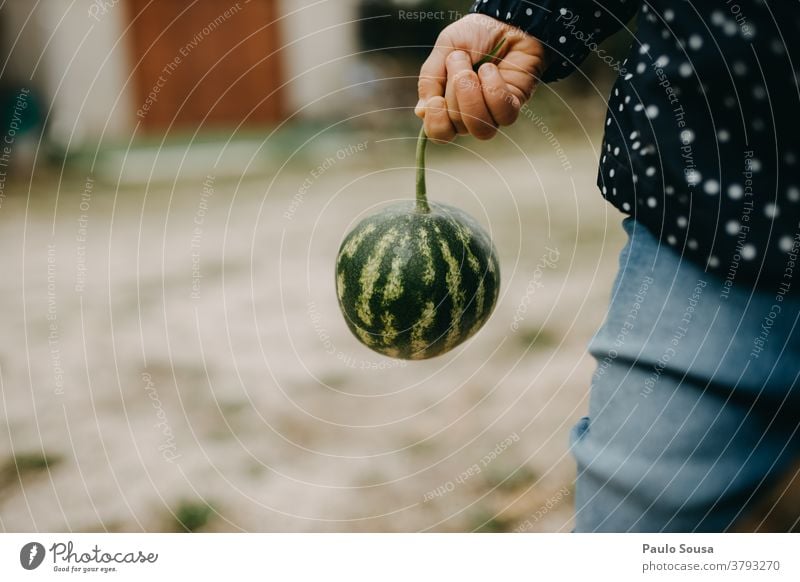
(570, 29)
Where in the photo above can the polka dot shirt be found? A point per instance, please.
(702, 135)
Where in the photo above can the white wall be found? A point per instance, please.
(80, 70)
(312, 54)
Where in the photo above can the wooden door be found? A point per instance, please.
(206, 62)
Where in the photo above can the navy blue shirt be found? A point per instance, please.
(701, 141)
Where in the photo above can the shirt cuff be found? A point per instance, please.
(569, 29)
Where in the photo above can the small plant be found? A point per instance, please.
(22, 465)
(191, 516)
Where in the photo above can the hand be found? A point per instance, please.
(453, 99)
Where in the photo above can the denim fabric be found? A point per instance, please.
(695, 402)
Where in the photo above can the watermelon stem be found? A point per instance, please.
(422, 195)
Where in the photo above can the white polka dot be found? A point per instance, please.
(562, 39)
(771, 210)
(723, 135)
(652, 111)
(739, 68)
(669, 15)
(638, 107)
(621, 106)
(669, 190)
(662, 61)
(785, 244)
(749, 252)
(626, 207)
(693, 177)
(611, 173)
(616, 151)
(636, 145)
(651, 171)
(692, 244)
(614, 191)
(755, 164)
(730, 28)
(672, 240)
(711, 187)
(665, 33)
(732, 227)
(529, 11)
(793, 193)
(735, 191)
(687, 136)
(713, 262)
(563, 11)
(717, 18)
(644, 48)
(608, 121)
(628, 77)
(682, 221)
(651, 202)
(695, 42)
(508, 16)
(759, 92)
(640, 68)
(685, 70)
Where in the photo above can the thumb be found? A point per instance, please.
(432, 78)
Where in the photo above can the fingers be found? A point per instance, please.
(432, 78)
(474, 112)
(458, 63)
(438, 126)
(519, 70)
(502, 104)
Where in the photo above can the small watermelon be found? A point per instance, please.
(417, 279)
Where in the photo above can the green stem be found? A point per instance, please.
(491, 55)
(422, 195)
(422, 141)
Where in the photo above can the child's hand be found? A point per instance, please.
(456, 100)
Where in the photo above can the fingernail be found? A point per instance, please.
(418, 107)
(487, 70)
(460, 56)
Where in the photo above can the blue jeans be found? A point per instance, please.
(695, 402)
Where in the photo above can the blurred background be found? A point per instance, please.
(175, 179)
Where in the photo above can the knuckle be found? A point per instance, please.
(466, 81)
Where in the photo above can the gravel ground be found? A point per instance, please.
(174, 354)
